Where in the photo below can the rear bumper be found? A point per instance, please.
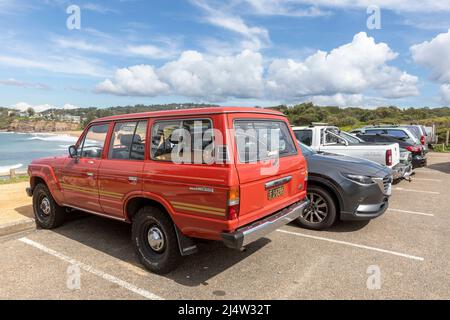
(260, 228)
(402, 171)
(419, 161)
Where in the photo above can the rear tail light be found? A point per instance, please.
(422, 140)
(413, 149)
(233, 203)
(389, 157)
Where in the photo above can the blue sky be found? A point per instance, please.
(240, 52)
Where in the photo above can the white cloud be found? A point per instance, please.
(23, 106)
(53, 63)
(283, 8)
(349, 69)
(339, 99)
(21, 84)
(214, 78)
(395, 5)
(343, 75)
(138, 80)
(435, 54)
(254, 37)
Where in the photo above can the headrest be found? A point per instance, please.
(127, 139)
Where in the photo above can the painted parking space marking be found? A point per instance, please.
(404, 255)
(419, 191)
(412, 212)
(124, 284)
(424, 179)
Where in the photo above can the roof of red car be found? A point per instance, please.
(189, 112)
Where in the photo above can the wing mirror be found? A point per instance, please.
(73, 152)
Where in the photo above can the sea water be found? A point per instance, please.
(17, 150)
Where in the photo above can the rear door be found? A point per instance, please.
(270, 169)
(120, 174)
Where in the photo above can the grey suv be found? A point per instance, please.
(343, 188)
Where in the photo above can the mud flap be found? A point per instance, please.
(186, 245)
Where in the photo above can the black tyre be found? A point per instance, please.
(155, 240)
(47, 212)
(321, 213)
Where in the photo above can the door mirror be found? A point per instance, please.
(73, 152)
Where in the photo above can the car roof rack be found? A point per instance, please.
(383, 126)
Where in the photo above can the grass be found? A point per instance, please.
(441, 148)
(19, 178)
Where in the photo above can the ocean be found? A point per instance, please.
(17, 150)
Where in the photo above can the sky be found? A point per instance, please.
(363, 53)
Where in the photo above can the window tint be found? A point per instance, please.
(304, 136)
(128, 141)
(169, 137)
(261, 140)
(94, 141)
(397, 133)
(375, 131)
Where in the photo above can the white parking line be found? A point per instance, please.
(412, 212)
(412, 190)
(430, 171)
(126, 285)
(423, 179)
(404, 255)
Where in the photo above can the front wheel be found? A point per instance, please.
(321, 213)
(155, 240)
(48, 213)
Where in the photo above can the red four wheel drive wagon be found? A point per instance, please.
(227, 174)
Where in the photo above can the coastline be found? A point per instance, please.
(74, 133)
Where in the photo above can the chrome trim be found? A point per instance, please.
(95, 213)
(202, 189)
(260, 228)
(278, 182)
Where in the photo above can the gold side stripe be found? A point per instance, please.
(92, 191)
(198, 206)
(199, 210)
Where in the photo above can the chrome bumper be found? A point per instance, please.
(260, 228)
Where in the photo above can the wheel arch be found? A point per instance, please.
(137, 202)
(331, 188)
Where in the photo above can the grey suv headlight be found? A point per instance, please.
(359, 178)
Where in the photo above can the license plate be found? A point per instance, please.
(275, 193)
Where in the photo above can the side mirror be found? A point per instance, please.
(73, 152)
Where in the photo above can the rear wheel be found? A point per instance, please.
(48, 213)
(321, 213)
(155, 240)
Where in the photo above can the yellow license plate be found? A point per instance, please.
(275, 193)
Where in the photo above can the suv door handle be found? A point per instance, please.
(133, 179)
(89, 174)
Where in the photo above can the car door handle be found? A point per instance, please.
(89, 174)
(133, 179)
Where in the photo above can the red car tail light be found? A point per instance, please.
(413, 149)
(422, 140)
(389, 157)
(233, 203)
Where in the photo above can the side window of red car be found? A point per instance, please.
(128, 141)
(94, 141)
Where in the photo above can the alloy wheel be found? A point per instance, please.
(317, 210)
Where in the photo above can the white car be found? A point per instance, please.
(331, 139)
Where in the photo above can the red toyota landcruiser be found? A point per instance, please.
(227, 174)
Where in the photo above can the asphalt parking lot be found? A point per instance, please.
(409, 246)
